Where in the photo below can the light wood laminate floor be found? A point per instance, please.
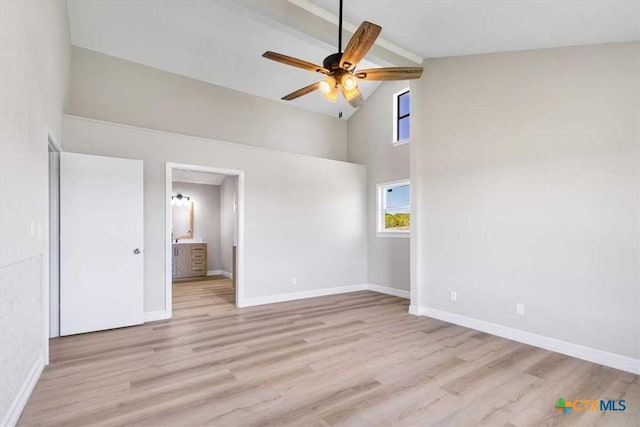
(354, 359)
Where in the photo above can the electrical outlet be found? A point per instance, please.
(294, 281)
(454, 296)
(520, 309)
(31, 228)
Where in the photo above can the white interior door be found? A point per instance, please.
(101, 243)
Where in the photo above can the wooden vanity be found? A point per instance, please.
(189, 260)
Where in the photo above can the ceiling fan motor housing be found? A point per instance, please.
(332, 62)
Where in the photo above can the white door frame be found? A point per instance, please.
(168, 221)
(53, 145)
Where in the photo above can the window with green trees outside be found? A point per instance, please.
(394, 207)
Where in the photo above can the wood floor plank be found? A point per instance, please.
(354, 359)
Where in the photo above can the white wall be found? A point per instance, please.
(34, 61)
(228, 215)
(206, 217)
(304, 216)
(528, 185)
(112, 89)
(370, 133)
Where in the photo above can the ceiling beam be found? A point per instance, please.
(351, 28)
(316, 24)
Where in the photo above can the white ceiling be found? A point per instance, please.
(193, 177)
(434, 28)
(221, 41)
(210, 41)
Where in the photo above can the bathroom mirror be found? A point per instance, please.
(182, 227)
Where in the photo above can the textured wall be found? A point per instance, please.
(35, 50)
(21, 337)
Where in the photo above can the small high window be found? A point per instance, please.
(394, 209)
(402, 117)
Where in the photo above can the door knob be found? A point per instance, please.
(136, 251)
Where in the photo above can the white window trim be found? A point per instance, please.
(394, 138)
(380, 208)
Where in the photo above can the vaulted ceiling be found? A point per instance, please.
(221, 41)
(436, 28)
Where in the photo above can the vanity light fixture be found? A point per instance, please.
(179, 200)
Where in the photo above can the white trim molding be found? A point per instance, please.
(170, 166)
(394, 234)
(381, 200)
(400, 143)
(10, 418)
(270, 299)
(594, 355)
(153, 316)
(395, 142)
(219, 273)
(53, 143)
(389, 291)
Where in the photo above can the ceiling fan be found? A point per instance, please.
(340, 68)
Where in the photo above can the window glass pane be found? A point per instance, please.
(397, 221)
(403, 104)
(395, 206)
(403, 128)
(398, 197)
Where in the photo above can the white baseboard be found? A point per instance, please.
(389, 291)
(219, 273)
(270, 299)
(152, 316)
(15, 409)
(601, 357)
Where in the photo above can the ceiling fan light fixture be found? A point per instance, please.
(328, 85)
(350, 94)
(331, 96)
(349, 82)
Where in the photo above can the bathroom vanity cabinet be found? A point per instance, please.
(189, 260)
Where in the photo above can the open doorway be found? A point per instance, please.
(204, 237)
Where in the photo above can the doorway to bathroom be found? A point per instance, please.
(204, 238)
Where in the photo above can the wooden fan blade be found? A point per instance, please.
(362, 40)
(390, 73)
(294, 62)
(301, 92)
(356, 100)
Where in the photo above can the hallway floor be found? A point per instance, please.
(217, 290)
